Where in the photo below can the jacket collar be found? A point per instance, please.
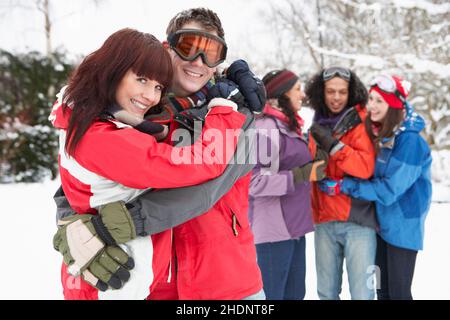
(281, 118)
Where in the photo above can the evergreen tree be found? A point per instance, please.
(27, 139)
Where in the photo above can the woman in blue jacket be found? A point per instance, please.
(400, 188)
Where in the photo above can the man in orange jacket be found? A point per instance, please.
(345, 226)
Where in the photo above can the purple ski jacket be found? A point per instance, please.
(279, 209)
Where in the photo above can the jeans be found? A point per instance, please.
(283, 268)
(335, 241)
(396, 271)
(260, 295)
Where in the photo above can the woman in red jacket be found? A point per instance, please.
(104, 160)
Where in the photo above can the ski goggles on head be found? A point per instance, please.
(332, 72)
(387, 84)
(191, 43)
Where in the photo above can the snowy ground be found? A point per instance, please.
(31, 266)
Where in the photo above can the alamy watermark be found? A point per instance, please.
(213, 146)
(373, 280)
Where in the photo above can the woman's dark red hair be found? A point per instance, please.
(92, 86)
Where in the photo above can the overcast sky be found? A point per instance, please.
(81, 27)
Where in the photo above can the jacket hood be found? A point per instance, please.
(413, 121)
(59, 119)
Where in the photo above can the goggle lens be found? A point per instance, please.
(190, 44)
(385, 83)
(336, 72)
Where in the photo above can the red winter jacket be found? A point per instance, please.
(214, 255)
(215, 252)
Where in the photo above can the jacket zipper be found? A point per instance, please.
(234, 221)
(169, 278)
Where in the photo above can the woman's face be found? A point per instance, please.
(137, 94)
(377, 107)
(336, 94)
(296, 95)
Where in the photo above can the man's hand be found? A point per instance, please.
(312, 171)
(110, 268)
(252, 87)
(321, 155)
(88, 244)
(226, 89)
(323, 137)
(330, 186)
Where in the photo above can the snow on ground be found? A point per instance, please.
(26, 236)
(32, 265)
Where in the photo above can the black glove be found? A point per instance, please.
(349, 120)
(188, 119)
(323, 137)
(226, 89)
(157, 130)
(321, 155)
(252, 87)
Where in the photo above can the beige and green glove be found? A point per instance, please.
(89, 245)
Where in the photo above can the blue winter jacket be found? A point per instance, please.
(401, 186)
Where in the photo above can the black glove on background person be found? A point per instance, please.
(314, 170)
(321, 155)
(251, 86)
(226, 89)
(323, 137)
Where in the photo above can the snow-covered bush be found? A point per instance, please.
(28, 143)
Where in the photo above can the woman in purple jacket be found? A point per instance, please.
(280, 204)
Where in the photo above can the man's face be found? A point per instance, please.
(336, 94)
(190, 76)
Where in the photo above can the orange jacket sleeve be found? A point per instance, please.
(357, 157)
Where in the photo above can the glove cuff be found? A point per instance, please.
(222, 102)
(338, 146)
(102, 231)
(138, 220)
